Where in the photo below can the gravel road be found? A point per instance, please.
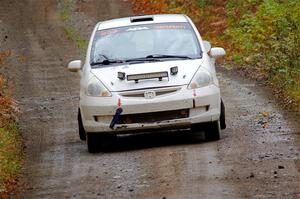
(257, 157)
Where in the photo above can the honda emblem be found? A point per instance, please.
(149, 94)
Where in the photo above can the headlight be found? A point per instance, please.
(96, 88)
(202, 78)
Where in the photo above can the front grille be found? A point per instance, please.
(159, 92)
(153, 117)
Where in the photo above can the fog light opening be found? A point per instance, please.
(207, 108)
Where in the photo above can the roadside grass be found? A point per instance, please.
(11, 154)
(66, 7)
(265, 42)
(76, 37)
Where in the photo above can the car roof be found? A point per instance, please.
(138, 20)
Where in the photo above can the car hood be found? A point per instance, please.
(109, 75)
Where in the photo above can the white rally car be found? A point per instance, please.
(146, 73)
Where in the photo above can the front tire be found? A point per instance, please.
(93, 142)
(212, 131)
(97, 142)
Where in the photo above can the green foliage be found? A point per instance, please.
(80, 42)
(202, 3)
(65, 12)
(67, 7)
(267, 38)
(10, 156)
(65, 15)
(10, 139)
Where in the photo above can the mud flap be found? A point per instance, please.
(222, 116)
(116, 118)
(82, 133)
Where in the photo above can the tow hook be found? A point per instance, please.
(116, 118)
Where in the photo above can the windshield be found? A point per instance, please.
(131, 42)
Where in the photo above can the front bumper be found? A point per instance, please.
(203, 105)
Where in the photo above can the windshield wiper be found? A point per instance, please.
(168, 56)
(156, 57)
(141, 59)
(107, 62)
(151, 58)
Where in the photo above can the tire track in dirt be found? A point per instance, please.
(42, 81)
(172, 165)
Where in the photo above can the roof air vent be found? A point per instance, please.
(141, 19)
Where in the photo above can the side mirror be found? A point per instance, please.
(207, 46)
(217, 52)
(74, 66)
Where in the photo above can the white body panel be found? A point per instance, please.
(182, 99)
(186, 70)
(203, 103)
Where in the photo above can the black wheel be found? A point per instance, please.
(82, 133)
(212, 131)
(93, 144)
(97, 142)
(222, 116)
(107, 141)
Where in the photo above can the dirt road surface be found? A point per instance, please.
(257, 157)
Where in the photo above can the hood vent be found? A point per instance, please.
(141, 19)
